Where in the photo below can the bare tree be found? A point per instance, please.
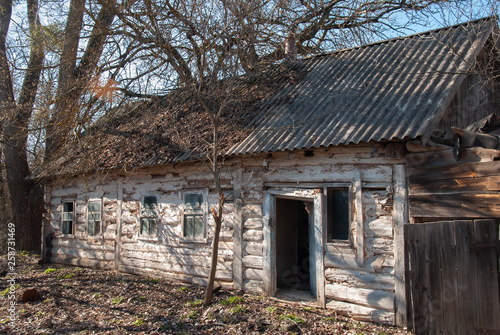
(75, 72)
(205, 42)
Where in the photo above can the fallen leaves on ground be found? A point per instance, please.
(76, 300)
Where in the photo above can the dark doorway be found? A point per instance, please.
(292, 245)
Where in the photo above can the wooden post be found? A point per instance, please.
(119, 220)
(319, 250)
(360, 231)
(400, 217)
(238, 233)
(269, 246)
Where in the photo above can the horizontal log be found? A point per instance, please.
(364, 279)
(175, 268)
(253, 286)
(455, 205)
(479, 185)
(252, 211)
(253, 261)
(89, 263)
(467, 170)
(249, 223)
(253, 248)
(200, 261)
(377, 299)
(253, 274)
(107, 245)
(362, 313)
(84, 254)
(253, 235)
(374, 264)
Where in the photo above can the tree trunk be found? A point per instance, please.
(26, 197)
(215, 251)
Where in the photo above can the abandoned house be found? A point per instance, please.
(327, 160)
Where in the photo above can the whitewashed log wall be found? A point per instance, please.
(358, 282)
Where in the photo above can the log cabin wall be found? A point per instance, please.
(358, 276)
(360, 286)
(168, 254)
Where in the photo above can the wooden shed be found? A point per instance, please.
(331, 157)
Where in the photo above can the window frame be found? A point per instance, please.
(88, 217)
(73, 220)
(185, 211)
(350, 218)
(155, 216)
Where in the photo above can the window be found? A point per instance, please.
(194, 215)
(68, 218)
(94, 217)
(339, 214)
(149, 215)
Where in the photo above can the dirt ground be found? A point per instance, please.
(86, 301)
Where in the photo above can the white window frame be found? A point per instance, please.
(154, 215)
(186, 211)
(88, 217)
(73, 219)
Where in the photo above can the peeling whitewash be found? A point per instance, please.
(356, 277)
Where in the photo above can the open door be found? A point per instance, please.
(295, 256)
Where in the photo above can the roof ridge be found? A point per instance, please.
(487, 18)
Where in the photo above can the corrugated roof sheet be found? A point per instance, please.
(390, 90)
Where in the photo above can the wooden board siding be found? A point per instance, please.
(456, 189)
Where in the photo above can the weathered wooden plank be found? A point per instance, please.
(415, 236)
(119, 220)
(487, 184)
(375, 264)
(486, 232)
(253, 286)
(361, 296)
(203, 262)
(319, 233)
(252, 211)
(253, 261)
(447, 158)
(253, 274)
(433, 272)
(238, 233)
(253, 235)
(90, 263)
(467, 170)
(465, 294)
(448, 260)
(252, 223)
(360, 231)
(253, 248)
(75, 243)
(400, 217)
(195, 271)
(356, 278)
(84, 253)
(268, 259)
(362, 313)
(455, 205)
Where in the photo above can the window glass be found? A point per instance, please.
(338, 214)
(68, 218)
(194, 217)
(94, 217)
(149, 215)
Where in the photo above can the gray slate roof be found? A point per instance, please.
(390, 90)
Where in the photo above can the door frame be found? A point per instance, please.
(269, 231)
